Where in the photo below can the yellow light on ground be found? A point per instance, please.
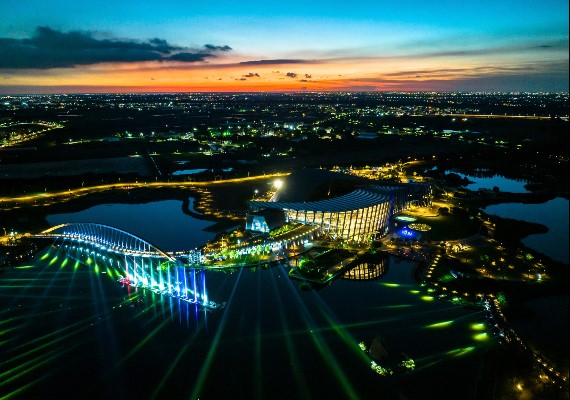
(460, 352)
(477, 326)
(440, 324)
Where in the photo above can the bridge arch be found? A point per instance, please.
(140, 263)
(106, 237)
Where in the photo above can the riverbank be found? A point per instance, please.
(218, 201)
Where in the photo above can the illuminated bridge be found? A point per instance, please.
(135, 261)
(106, 238)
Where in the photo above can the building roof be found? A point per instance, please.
(352, 201)
(311, 184)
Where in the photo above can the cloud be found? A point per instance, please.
(211, 47)
(308, 76)
(539, 76)
(162, 45)
(275, 62)
(560, 45)
(471, 71)
(252, 75)
(189, 57)
(291, 74)
(49, 48)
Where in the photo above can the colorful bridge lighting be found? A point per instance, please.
(142, 264)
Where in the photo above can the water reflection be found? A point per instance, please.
(553, 214)
(484, 179)
(368, 270)
(165, 276)
(189, 171)
(171, 229)
(64, 322)
(503, 183)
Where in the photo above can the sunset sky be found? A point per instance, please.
(146, 46)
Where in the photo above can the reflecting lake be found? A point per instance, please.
(484, 181)
(162, 223)
(553, 214)
(70, 332)
(189, 171)
(503, 183)
(197, 171)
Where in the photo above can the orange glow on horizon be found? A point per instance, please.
(326, 75)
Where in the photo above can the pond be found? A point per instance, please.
(486, 180)
(197, 171)
(189, 171)
(503, 183)
(553, 214)
(162, 223)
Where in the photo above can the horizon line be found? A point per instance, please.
(276, 92)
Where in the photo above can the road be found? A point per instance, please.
(8, 203)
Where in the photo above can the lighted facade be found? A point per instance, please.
(355, 216)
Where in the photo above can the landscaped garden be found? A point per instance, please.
(315, 264)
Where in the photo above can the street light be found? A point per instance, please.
(278, 183)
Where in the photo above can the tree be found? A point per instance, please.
(502, 299)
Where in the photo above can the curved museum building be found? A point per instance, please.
(354, 216)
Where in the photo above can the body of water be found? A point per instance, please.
(161, 223)
(553, 214)
(504, 184)
(488, 182)
(69, 331)
(197, 171)
(189, 171)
